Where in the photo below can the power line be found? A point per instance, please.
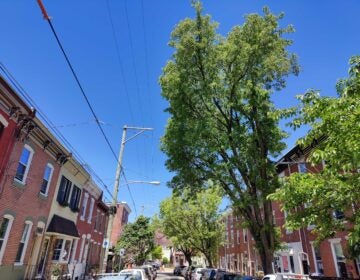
(49, 124)
(131, 196)
(81, 89)
(133, 62)
(117, 48)
(76, 78)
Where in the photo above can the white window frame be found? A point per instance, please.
(26, 241)
(23, 181)
(92, 202)
(82, 247)
(3, 121)
(84, 206)
(287, 231)
(86, 249)
(304, 165)
(314, 257)
(332, 243)
(61, 260)
(74, 247)
(48, 165)
(245, 235)
(6, 236)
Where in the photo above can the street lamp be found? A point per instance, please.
(119, 169)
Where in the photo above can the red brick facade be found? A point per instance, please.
(120, 220)
(299, 253)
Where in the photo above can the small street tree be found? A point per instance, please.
(193, 222)
(335, 190)
(223, 125)
(137, 239)
(156, 253)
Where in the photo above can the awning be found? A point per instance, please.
(61, 225)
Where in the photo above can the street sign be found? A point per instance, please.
(105, 243)
(122, 252)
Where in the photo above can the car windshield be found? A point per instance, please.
(129, 276)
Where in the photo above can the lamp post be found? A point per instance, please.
(116, 185)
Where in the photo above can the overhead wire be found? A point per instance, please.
(117, 48)
(131, 196)
(49, 124)
(47, 18)
(147, 83)
(135, 73)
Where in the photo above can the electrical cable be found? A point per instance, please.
(49, 124)
(117, 48)
(131, 196)
(47, 18)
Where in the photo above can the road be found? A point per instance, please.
(168, 276)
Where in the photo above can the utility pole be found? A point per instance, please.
(116, 187)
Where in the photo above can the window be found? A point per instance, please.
(2, 127)
(91, 210)
(46, 179)
(339, 215)
(3, 124)
(84, 205)
(62, 250)
(339, 259)
(75, 198)
(5, 226)
(64, 191)
(238, 236)
(302, 167)
(245, 235)
(288, 231)
(24, 164)
(318, 260)
(23, 242)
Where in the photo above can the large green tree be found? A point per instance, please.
(193, 222)
(137, 239)
(336, 189)
(223, 125)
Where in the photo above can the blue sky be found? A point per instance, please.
(327, 34)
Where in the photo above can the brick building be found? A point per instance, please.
(92, 225)
(120, 220)
(238, 253)
(299, 253)
(31, 159)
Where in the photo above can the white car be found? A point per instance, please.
(127, 274)
(286, 276)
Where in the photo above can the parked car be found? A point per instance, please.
(177, 269)
(196, 273)
(206, 273)
(185, 272)
(286, 276)
(126, 274)
(149, 272)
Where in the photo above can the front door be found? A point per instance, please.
(43, 255)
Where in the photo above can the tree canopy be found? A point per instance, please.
(223, 125)
(334, 190)
(137, 239)
(193, 222)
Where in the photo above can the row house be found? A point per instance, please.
(51, 212)
(238, 253)
(299, 253)
(121, 218)
(31, 160)
(92, 225)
